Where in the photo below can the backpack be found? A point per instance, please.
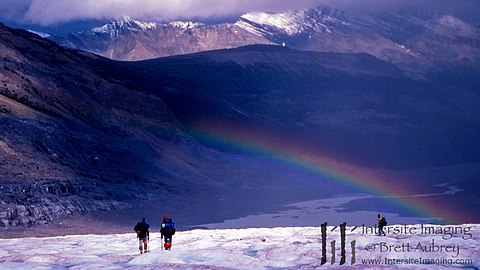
(168, 226)
(142, 228)
(383, 221)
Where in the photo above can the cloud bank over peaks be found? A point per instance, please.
(50, 12)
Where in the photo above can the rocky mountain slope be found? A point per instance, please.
(81, 133)
(72, 141)
(75, 139)
(418, 43)
(129, 39)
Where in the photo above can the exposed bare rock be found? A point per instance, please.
(79, 132)
(72, 141)
(129, 39)
(417, 43)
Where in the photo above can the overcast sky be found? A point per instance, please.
(55, 13)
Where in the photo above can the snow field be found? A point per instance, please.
(255, 248)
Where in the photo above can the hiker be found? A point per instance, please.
(143, 235)
(167, 230)
(382, 222)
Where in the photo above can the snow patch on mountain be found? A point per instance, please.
(282, 21)
(185, 25)
(457, 26)
(451, 21)
(43, 35)
(113, 28)
(320, 20)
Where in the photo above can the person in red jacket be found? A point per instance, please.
(167, 231)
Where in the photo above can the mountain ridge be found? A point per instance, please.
(84, 133)
(401, 39)
(129, 39)
(69, 135)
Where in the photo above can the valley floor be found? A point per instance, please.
(404, 246)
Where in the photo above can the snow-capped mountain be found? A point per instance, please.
(294, 23)
(129, 39)
(418, 44)
(120, 26)
(127, 24)
(80, 133)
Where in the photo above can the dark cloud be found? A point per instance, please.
(13, 11)
(54, 12)
(48, 12)
(461, 8)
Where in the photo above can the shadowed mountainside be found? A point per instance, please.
(82, 133)
(354, 106)
(72, 141)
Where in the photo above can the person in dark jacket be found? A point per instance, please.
(382, 222)
(143, 235)
(167, 231)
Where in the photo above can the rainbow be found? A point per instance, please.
(372, 182)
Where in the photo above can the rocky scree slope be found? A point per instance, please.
(72, 141)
